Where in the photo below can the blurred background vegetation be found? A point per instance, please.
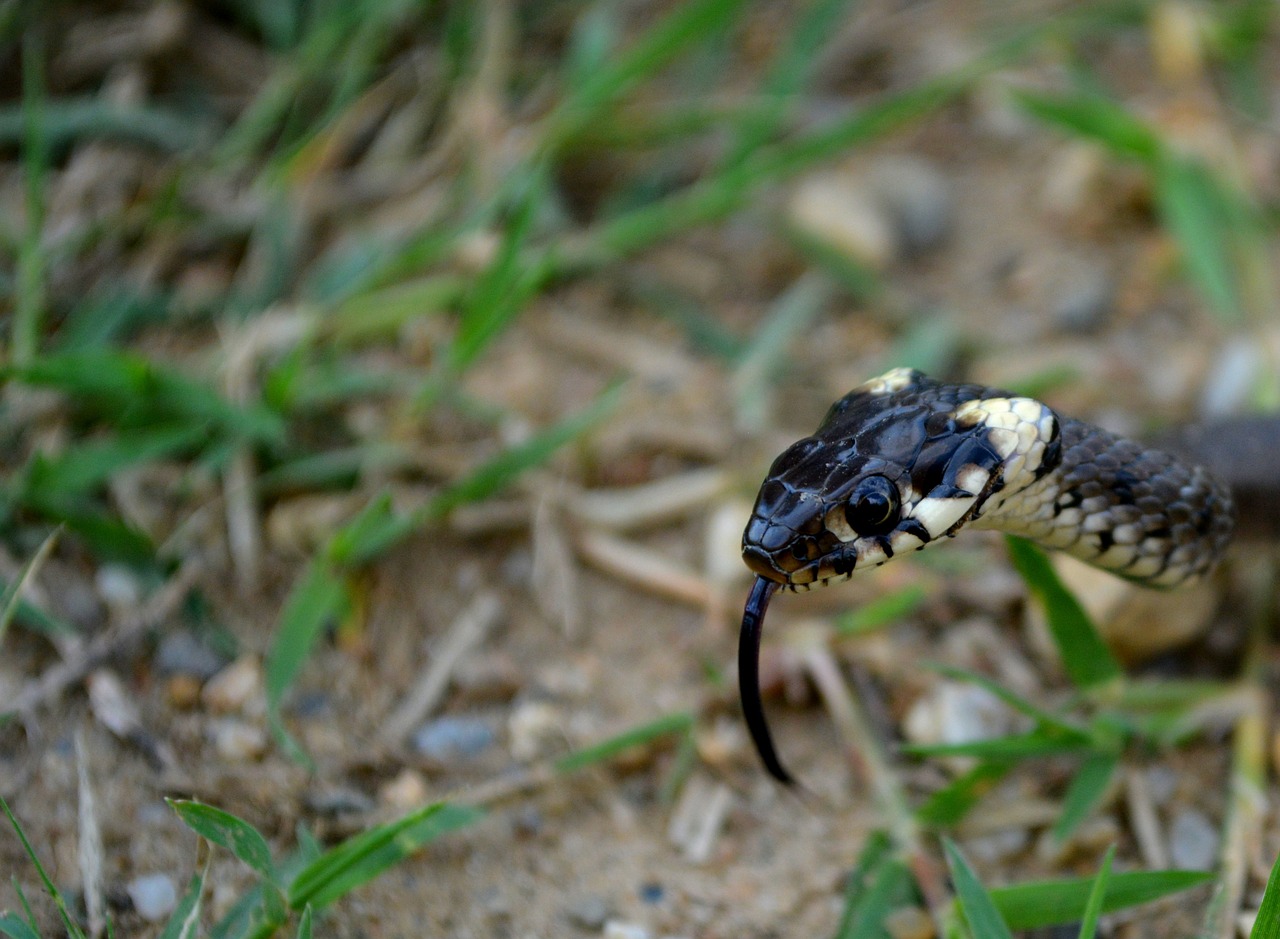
(354, 347)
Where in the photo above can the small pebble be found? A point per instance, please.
(528, 822)
(118, 587)
(183, 691)
(181, 653)
(486, 678)
(406, 790)
(154, 896)
(312, 704)
(721, 744)
(1094, 835)
(909, 922)
(237, 741)
(1193, 841)
(1232, 378)
(840, 212)
(452, 737)
(1086, 301)
(338, 801)
(954, 712)
(916, 197)
(617, 929)
(590, 912)
(532, 725)
(232, 689)
(492, 901)
(999, 845)
(652, 892)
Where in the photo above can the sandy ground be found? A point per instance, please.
(1032, 225)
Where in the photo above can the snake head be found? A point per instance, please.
(897, 463)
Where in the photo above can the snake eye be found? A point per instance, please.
(872, 509)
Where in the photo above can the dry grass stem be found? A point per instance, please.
(699, 817)
(656, 503)
(117, 640)
(555, 571)
(869, 761)
(1144, 821)
(244, 521)
(643, 567)
(651, 360)
(465, 634)
(992, 816)
(90, 842)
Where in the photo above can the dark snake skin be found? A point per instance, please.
(905, 460)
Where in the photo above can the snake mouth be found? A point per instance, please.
(762, 564)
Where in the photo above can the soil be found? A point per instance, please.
(585, 644)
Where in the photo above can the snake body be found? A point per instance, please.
(904, 460)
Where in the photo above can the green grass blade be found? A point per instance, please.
(679, 723)
(121, 385)
(1085, 792)
(879, 883)
(784, 324)
(26, 906)
(504, 468)
(1045, 720)
(1267, 925)
(371, 532)
(15, 927)
(69, 120)
(29, 302)
(1097, 893)
(949, 805)
(74, 931)
(1086, 658)
(230, 832)
(381, 312)
(504, 287)
(378, 528)
(237, 922)
(1017, 747)
(1207, 222)
(363, 857)
(788, 74)
(304, 923)
(703, 330)
(1096, 118)
(41, 621)
(724, 193)
(184, 923)
(593, 41)
(319, 598)
(86, 466)
(1055, 902)
(10, 600)
(981, 913)
(686, 24)
(883, 611)
(107, 537)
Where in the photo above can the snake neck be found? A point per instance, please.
(1129, 509)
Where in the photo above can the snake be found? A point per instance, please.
(905, 460)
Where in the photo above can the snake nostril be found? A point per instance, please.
(800, 550)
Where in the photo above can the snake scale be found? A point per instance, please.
(905, 460)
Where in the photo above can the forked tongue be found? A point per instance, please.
(749, 678)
